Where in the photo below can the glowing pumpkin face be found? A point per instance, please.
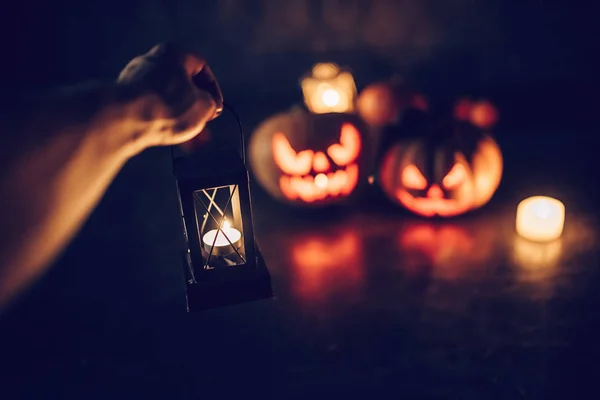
(448, 173)
(308, 158)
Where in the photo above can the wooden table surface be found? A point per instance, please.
(370, 302)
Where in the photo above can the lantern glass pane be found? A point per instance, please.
(220, 228)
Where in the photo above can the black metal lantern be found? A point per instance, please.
(222, 262)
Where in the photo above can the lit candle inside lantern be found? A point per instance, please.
(540, 218)
(222, 246)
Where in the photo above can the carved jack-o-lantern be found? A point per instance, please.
(445, 170)
(308, 159)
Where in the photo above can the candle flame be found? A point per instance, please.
(543, 209)
(331, 97)
(225, 226)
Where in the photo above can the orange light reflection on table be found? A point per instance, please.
(546, 264)
(451, 251)
(538, 265)
(326, 264)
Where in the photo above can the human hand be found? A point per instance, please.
(174, 108)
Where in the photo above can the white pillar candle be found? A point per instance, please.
(540, 218)
(222, 246)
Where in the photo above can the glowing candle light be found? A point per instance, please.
(222, 239)
(331, 98)
(329, 89)
(540, 218)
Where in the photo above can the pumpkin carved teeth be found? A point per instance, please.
(307, 159)
(429, 207)
(311, 189)
(474, 172)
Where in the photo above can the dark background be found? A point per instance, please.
(108, 320)
(454, 44)
(542, 55)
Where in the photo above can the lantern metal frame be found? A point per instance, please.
(247, 277)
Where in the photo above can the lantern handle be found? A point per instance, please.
(241, 127)
(242, 141)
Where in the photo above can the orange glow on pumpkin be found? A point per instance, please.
(321, 163)
(287, 159)
(413, 178)
(455, 177)
(378, 104)
(431, 205)
(309, 189)
(467, 185)
(309, 176)
(349, 147)
(306, 159)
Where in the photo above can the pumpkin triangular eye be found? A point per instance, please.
(287, 159)
(349, 147)
(412, 178)
(455, 177)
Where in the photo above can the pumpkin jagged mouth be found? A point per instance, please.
(429, 207)
(311, 188)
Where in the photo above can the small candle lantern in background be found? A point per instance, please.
(222, 262)
(540, 218)
(329, 89)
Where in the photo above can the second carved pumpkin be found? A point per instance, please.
(444, 169)
(308, 159)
